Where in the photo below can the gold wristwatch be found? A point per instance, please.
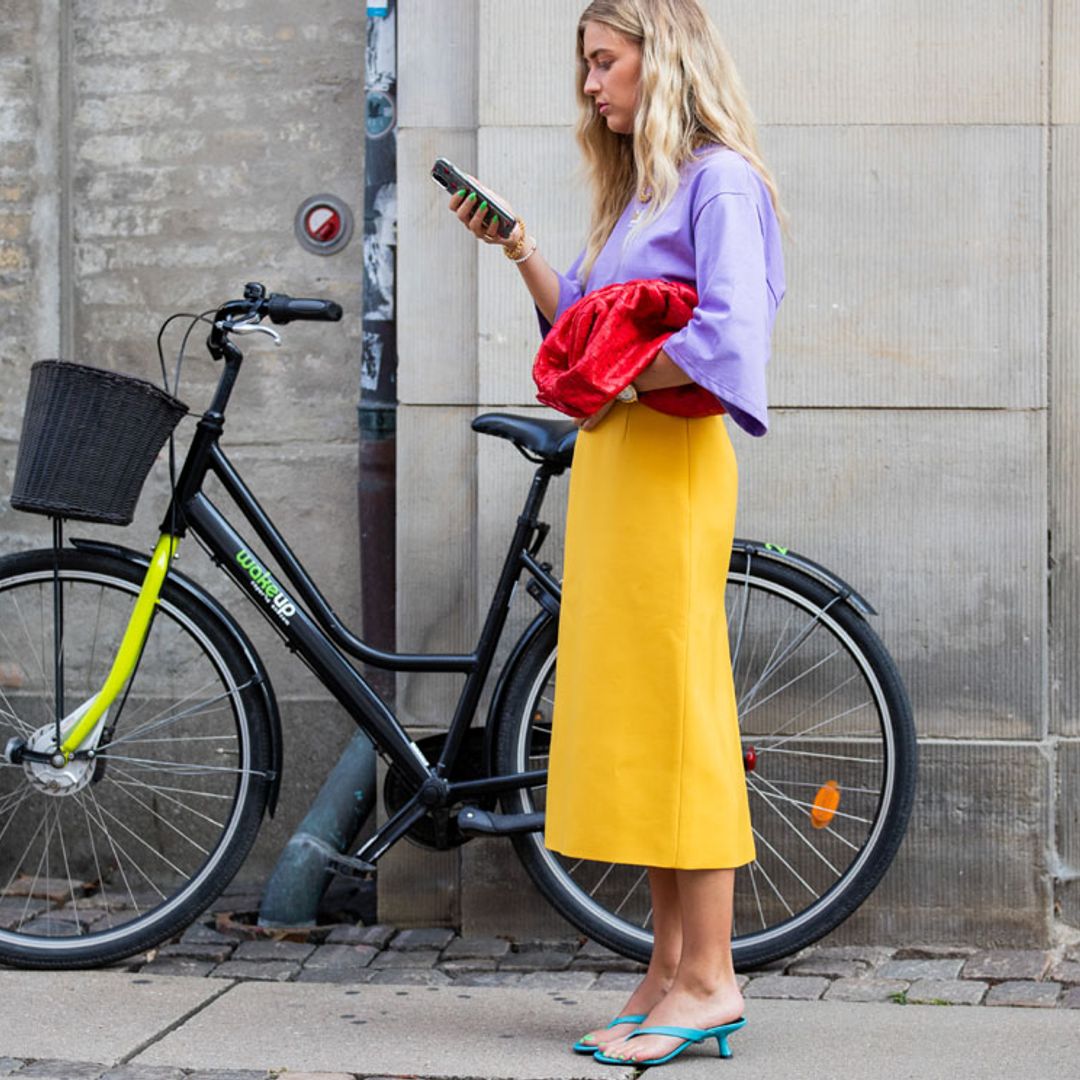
(627, 395)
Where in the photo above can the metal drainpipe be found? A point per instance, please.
(377, 414)
(302, 874)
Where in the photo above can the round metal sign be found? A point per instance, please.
(323, 224)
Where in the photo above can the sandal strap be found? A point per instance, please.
(630, 1018)
(694, 1035)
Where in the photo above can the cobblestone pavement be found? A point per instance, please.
(228, 944)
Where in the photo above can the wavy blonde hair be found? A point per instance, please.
(690, 95)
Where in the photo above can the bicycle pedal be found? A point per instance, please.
(471, 819)
(349, 866)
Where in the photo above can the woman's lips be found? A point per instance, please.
(603, 108)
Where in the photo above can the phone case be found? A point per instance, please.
(450, 177)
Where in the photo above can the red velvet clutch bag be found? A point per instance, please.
(605, 340)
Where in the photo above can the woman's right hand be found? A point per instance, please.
(471, 209)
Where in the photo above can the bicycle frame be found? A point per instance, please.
(309, 627)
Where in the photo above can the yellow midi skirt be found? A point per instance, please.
(646, 765)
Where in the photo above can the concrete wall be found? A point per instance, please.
(152, 156)
(923, 385)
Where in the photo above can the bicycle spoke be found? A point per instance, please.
(775, 663)
(834, 813)
(769, 802)
(6, 890)
(67, 868)
(180, 768)
(133, 781)
(769, 881)
(159, 720)
(761, 702)
(116, 854)
(824, 723)
(115, 844)
(787, 865)
(94, 853)
(630, 892)
(810, 753)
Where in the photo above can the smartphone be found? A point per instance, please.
(450, 177)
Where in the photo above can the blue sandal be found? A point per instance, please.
(582, 1047)
(690, 1036)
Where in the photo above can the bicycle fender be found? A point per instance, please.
(233, 628)
(756, 549)
(497, 698)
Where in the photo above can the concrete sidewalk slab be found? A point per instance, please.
(512, 1034)
(417, 1031)
(92, 1015)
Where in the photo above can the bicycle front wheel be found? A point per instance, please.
(830, 756)
(106, 857)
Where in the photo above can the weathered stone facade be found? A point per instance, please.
(924, 384)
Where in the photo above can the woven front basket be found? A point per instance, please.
(89, 437)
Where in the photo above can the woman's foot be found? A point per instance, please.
(681, 1006)
(647, 996)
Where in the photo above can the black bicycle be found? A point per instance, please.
(141, 742)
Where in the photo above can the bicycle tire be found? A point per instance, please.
(110, 857)
(843, 674)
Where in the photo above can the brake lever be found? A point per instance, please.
(254, 328)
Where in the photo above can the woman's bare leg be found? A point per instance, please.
(667, 949)
(704, 993)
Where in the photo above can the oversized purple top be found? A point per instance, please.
(720, 235)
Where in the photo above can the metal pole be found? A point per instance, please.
(377, 413)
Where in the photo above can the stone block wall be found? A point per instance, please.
(922, 385)
(152, 157)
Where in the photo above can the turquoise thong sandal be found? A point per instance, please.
(690, 1036)
(582, 1047)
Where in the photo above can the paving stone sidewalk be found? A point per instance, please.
(84, 1070)
(227, 944)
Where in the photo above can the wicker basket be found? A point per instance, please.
(89, 437)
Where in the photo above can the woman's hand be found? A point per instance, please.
(589, 422)
(471, 209)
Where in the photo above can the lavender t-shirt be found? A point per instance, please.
(720, 235)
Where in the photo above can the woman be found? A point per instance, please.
(646, 765)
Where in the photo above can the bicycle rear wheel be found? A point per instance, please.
(830, 753)
(107, 857)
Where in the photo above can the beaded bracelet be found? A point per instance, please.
(529, 254)
(514, 250)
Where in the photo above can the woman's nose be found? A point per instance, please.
(592, 84)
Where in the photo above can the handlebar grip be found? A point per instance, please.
(286, 309)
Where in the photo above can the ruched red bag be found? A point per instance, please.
(604, 341)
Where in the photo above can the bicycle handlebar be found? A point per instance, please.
(284, 309)
(257, 305)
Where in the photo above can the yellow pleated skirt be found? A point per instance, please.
(646, 765)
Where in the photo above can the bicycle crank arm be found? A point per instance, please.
(472, 819)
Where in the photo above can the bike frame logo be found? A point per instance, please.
(263, 581)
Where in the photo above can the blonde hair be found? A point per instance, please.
(690, 96)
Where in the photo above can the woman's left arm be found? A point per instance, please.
(661, 373)
(725, 346)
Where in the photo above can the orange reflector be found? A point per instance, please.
(825, 803)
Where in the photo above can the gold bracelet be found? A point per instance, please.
(514, 250)
(529, 254)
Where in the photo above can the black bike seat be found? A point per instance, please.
(551, 440)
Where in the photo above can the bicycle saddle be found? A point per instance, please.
(550, 440)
